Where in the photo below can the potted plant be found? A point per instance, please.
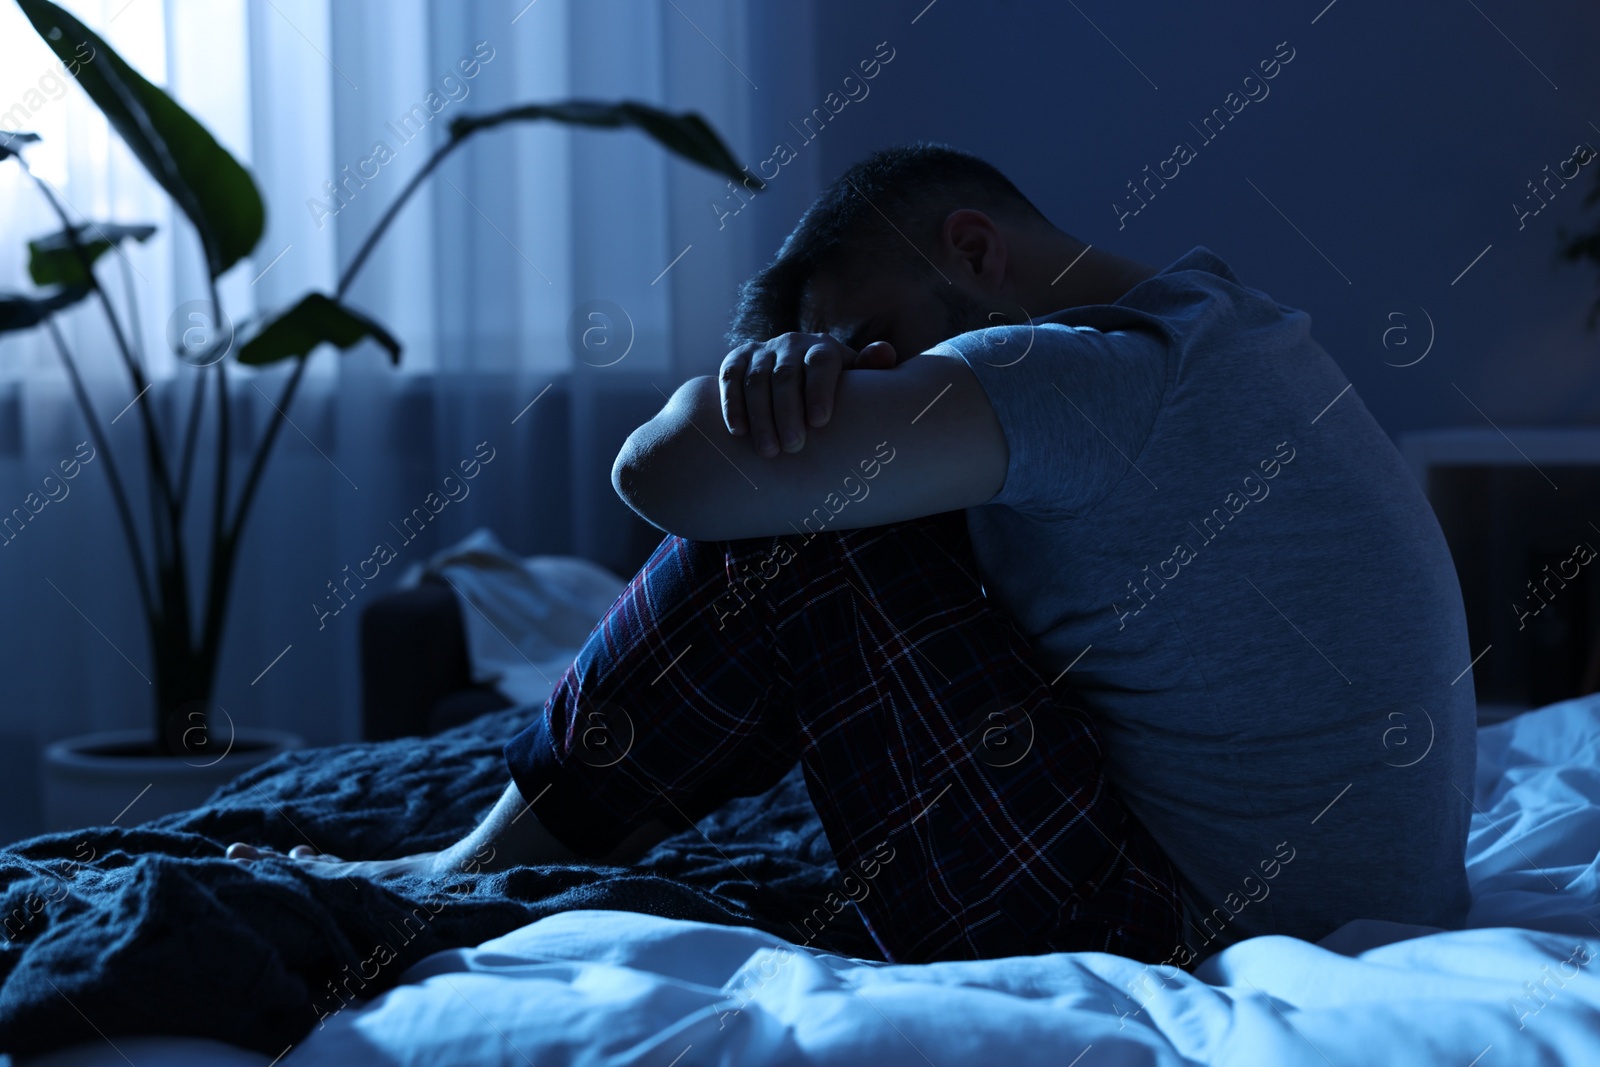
(183, 581)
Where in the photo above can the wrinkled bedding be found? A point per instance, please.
(608, 984)
(1520, 985)
(149, 930)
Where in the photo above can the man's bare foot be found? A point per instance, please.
(420, 865)
(509, 836)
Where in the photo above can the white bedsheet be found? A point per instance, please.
(1521, 986)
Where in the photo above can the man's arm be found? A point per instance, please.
(916, 440)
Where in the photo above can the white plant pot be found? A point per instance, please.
(100, 779)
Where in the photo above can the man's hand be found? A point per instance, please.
(773, 389)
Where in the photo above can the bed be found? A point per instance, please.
(151, 949)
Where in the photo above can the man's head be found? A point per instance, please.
(911, 245)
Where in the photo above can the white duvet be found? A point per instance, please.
(1520, 986)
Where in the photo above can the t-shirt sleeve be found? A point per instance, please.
(1076, 405)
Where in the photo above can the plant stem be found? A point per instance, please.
(190, 435)
(170, 589)
(220, 578)
(192, 424)
(166, 521)
(226, 538)
(119, 496)
(258, 462)
(388, 217)
(171, 635)
(133, 310)
(219, 503)
(152, 441)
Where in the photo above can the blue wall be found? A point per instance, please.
(1396, 138)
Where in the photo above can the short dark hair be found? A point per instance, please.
(884, 212)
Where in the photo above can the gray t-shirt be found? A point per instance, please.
(1203, 521)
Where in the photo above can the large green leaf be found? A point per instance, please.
(207, 183)
(317, 319)
(18, 312)
(8, 138)
(52, 261)
(685, 133)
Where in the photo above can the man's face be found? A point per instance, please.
(911, 309)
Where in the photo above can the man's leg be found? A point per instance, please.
(965, 804)
(669, 709)
(928, 730)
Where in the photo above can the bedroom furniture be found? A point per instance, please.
(1513, 506)
(416, 678)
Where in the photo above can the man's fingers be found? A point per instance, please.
(879, 355)
(774, 389)
(301, 852)
(823, 364)
(790, 382)
(758, 400)
(731, 383)
(241, 851)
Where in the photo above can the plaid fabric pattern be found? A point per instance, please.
(965, 802)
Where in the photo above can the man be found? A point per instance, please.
(1097, 609)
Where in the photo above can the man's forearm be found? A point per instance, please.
(685, 474)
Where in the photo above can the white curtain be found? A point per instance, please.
(333, 106)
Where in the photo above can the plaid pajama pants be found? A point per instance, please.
(965, 801)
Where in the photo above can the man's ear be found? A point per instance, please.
(976, 246)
